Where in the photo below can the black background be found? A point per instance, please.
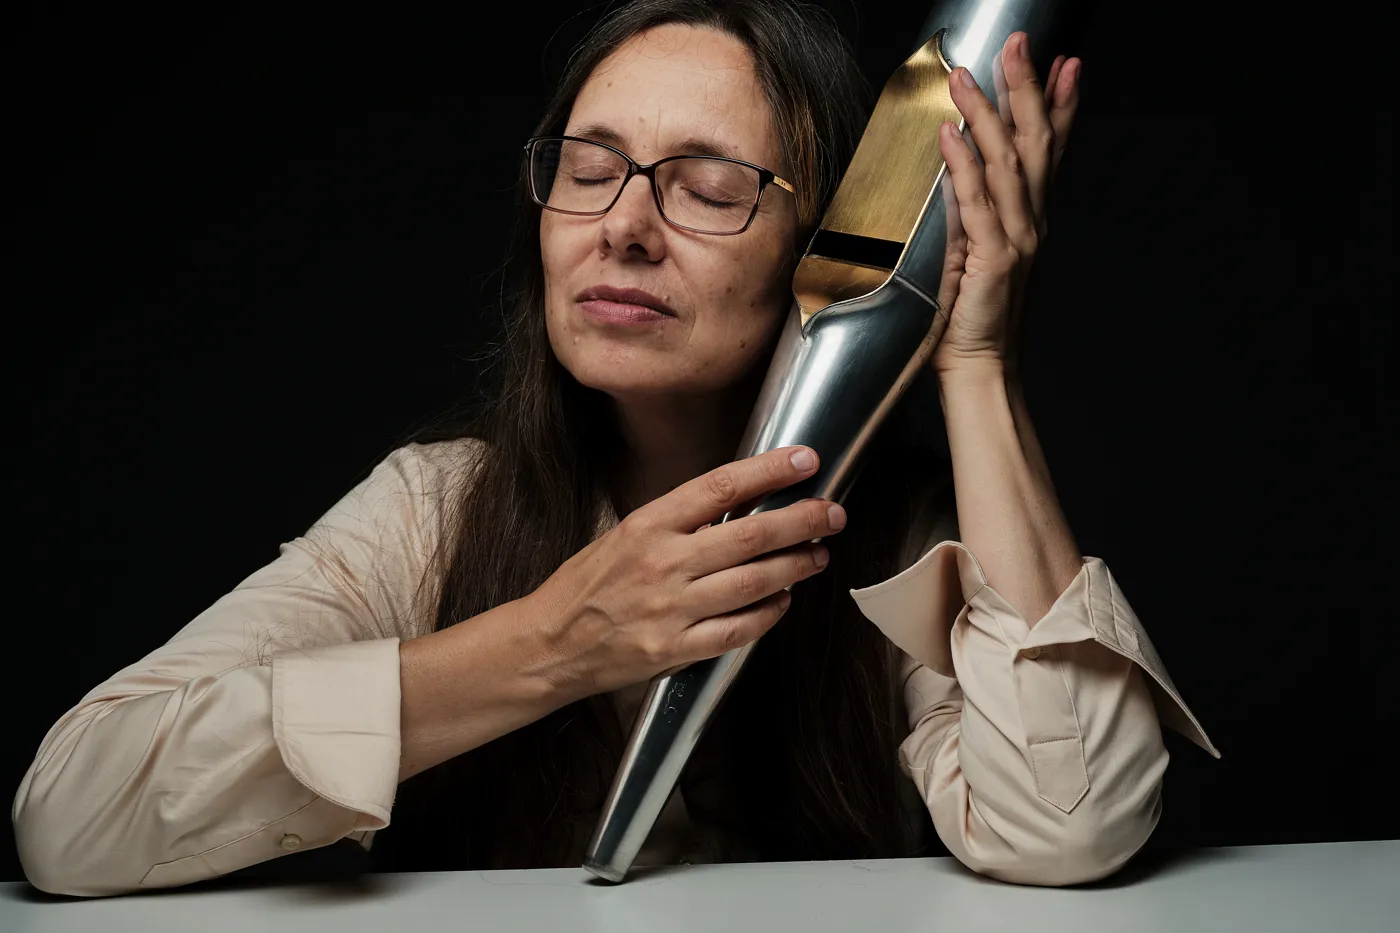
(248, 246)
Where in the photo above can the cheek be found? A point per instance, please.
(747, 298)
(556, 258)
(562, 250)
(553, 245)
(757, 285)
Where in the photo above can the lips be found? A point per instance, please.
(626, 296)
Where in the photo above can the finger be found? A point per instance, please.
(736, 587)
(711, 495)
(954, 255)
(1003, 91)
(1005, 179)
(1033, 135)
(1064, 103)
(712, 637)
(1055, 67)
(975, 208)
(742, 539)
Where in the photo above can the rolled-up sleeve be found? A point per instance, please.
(267, 725)
(1037, 749)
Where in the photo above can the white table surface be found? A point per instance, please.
(1324, 888)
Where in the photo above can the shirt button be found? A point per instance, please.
(291, 842)
(1031, 653)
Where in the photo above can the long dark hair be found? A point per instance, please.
(801, 761)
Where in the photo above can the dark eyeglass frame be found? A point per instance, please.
(765, 178)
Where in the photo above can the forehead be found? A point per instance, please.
(670, 87)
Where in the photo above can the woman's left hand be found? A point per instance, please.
(997, 221)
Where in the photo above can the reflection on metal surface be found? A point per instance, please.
(863, 325)
(820, 282)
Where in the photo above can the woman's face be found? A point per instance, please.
(670, 91)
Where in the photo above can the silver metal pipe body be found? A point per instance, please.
(835, 375)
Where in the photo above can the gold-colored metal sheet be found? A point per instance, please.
(883, 191)
(820, 281)
(888, 182)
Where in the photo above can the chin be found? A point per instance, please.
(650, 379)
(639, 372)
(621, 384)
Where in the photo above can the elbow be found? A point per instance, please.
(1074, 858)
(72, 824)
(56, 862)
(1087, 845)
(52, 877)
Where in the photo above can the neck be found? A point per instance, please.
(673, 439)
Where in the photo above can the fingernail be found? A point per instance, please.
(1074, 71)
(803, 459)
(784, 600)
(1023, 47)
(950, 130)
(822, 557)
(836, 517)
(966, 78)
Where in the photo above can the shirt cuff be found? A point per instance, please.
(335, 718)
(917, 607)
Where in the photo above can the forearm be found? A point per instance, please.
(1008, 513)
(476, 681)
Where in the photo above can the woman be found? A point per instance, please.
(445, 664)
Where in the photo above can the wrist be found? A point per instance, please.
(548, 659)
(469, 684)
(975, 374)
(949, 361)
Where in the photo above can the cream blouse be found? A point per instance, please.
(270, 722)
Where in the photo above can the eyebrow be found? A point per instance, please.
(691, 145)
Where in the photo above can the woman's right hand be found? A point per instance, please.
(665, 587)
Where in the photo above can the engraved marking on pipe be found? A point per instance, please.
(673, 696)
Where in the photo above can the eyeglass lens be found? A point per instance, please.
(705, 194)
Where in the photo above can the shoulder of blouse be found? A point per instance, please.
(381, 537)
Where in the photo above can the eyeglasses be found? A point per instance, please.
(703, 194)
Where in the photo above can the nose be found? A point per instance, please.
(634, 227)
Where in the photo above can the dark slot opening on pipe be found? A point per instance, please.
(851, 247)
